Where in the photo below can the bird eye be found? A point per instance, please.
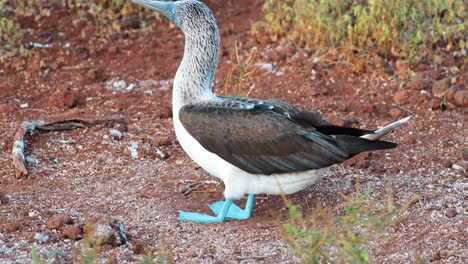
(173, 11)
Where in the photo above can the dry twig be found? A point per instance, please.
(64, 121)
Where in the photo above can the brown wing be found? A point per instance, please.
(259, 140)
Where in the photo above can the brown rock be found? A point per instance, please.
(137, 247)
(34, 62)
(275, 56)
(72, 232)
(434, 104)
(368, 108)
(418, 84)
(408, 140)
(131, 22)
(336, 120)
(419, 99)
(432, 74)
(3, 198)
(350, 121)
(58, 220)
(421, 67)
(358, 159)
(451, 92)
(13, 226)
(400, 96)
(112, 49)
(465, 154)
(161, 141)
(436, 75)
(64, 99)
(449, 61)
(90, 75)
(451, 212)
(395, 112)
(439, 88)
(461, 98)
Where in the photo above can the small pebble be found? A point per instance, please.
(32, 160)
(451, 212)
(41, 237)
(457, 167)
(117, 134)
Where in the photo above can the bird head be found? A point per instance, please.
(191, 16)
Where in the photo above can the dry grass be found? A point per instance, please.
(361, 32)
(340, 234)
(239, 72)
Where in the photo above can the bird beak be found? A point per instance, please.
(166, 9)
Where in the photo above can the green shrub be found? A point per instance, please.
(356, 29)
(341, 234)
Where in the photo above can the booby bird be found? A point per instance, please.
(254, 146)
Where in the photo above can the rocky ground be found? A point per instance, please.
(136, 183)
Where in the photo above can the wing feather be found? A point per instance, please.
(270, 137)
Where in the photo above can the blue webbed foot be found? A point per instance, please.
(198, 217)
(235, 212)
(203, 218)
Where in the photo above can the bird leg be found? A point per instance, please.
(235, 212)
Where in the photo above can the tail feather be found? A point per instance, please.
(385, 130)
(352, 145)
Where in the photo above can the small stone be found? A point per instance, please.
(116, 134)
(461, 98)
(400, 96)
(408, 140)
(430, 74)
(418, 99)
(457, 167)
(419, 84)
(90, 75)
(368, 108)
(3, 198)
(421, 67)
(452, 91)
(449, 61)
(58, 220)
(439, 88)
(358, 159)
(436, 75)
(275, 56)
(131, 22)
(13, 226)
(465, 154)
(41, 237)
(434, 103)
(72, 232)
(64, 99)
(6, 109)
(451, 212)
(112, 49)
(395, 112)
(336, 120)
(137, 247)
(350, 121)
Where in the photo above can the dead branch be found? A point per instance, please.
(186, 190)
(64, 121)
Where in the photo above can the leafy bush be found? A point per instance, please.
(396, 30)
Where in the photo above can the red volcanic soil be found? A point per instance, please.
(89, 175)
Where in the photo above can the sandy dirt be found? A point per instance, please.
(89, 175)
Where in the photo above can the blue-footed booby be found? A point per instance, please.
(254, 146)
